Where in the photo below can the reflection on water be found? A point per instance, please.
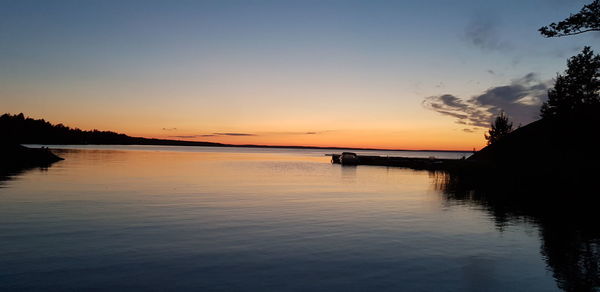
(12, 172)
(123, 218)
(566, 216)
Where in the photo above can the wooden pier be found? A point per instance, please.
(411, 162)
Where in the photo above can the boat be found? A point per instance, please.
(348, 158)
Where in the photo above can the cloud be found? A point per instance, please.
(465, 112)
(169, 129)
(521, 100)
(482, 33)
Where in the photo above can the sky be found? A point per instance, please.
(374, 74)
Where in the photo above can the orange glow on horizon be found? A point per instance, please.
(426, 131)
(348, 139)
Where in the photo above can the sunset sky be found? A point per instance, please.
(382, 74)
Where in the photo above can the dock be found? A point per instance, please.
(411, 162)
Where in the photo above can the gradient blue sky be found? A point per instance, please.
(326, 73)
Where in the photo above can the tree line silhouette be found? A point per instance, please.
(18, 129)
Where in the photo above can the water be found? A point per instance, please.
(295, 152)
(246, 219)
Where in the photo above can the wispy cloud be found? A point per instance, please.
(483, 33)
(521, 100)
(169, 129)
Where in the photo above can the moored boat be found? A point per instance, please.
(348, 158)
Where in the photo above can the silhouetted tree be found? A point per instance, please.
(499, 128)
(577, 89)
(587, 19)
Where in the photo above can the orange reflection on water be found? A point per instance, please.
(268, 179)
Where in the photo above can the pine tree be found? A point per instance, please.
(499, 128)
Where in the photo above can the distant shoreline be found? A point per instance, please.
(203, 144)
(25, 130)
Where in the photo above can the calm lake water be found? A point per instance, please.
(235, 219)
